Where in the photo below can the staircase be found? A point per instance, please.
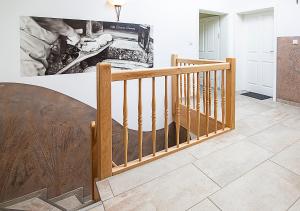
(38, 201)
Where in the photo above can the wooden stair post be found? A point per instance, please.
(102, 145)
(230, 93)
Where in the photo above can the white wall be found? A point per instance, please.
(175, 31)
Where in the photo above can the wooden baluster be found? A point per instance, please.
(177, 113)
(140, 122)
(194, 91)
(188, 112)
(223, 98)
(185, 89)
(207, 103)
(166, 114)
(153, 118)
(125, 124)
(198, 105)
(204, 92)
(216, 101)
(181, 98)
(209, 88)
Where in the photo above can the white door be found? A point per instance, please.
(260, 53)
(209, 38)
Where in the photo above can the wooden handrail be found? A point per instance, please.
(122, 75)
(186, 112)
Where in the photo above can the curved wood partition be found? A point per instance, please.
(45, 141)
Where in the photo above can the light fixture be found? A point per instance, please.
(118, 6)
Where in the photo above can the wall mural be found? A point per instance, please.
(51, 46)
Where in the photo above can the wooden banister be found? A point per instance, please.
(186, 114)
(170, 71)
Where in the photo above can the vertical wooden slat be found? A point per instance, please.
(177, 114)
(181, 95)
(207, 103)
(216, 101)
(166, 114)
(194, 91)
(125, 124)
(140, 122)
(185, 89)
(223, 98)
(188, 112)
(204, 92)
(153, 118)
(104, 121)
(198, 105)
(174, 63)
(209, 88)
(230, 93)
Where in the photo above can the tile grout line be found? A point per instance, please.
(298, 199)
(214, 203)
(284, 168)
(154, 178)
(206, 175)
(244, 174)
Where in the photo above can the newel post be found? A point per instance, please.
(104, 121)
(174, 58)
(230, 93)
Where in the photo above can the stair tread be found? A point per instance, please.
(34, 204)
(69, 203)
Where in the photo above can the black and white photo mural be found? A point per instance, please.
(51, 46)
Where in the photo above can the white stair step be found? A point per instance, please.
(69, 203)
(34, 204)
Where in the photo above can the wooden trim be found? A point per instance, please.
(121, 75)
(230, 93)
(104, 121)
(150, 158)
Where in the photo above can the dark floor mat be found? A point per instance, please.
(256, 95)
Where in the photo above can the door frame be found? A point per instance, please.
(241, 48)
(224, 48)
(219, 33)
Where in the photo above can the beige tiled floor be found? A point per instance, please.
(255, 167)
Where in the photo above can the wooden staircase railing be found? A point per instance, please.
(215, 78)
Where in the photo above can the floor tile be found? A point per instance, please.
(104, 190)
(135, 177)
(289, 158)
(276, 138)
(296, 206)
(251, 108)
(206, 205)
(228, 164)
(178, 190)
(267, 187)
(214, 144)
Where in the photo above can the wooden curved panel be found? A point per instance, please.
(45, 141)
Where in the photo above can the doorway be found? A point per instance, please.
(259, 58)
(209, 36)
